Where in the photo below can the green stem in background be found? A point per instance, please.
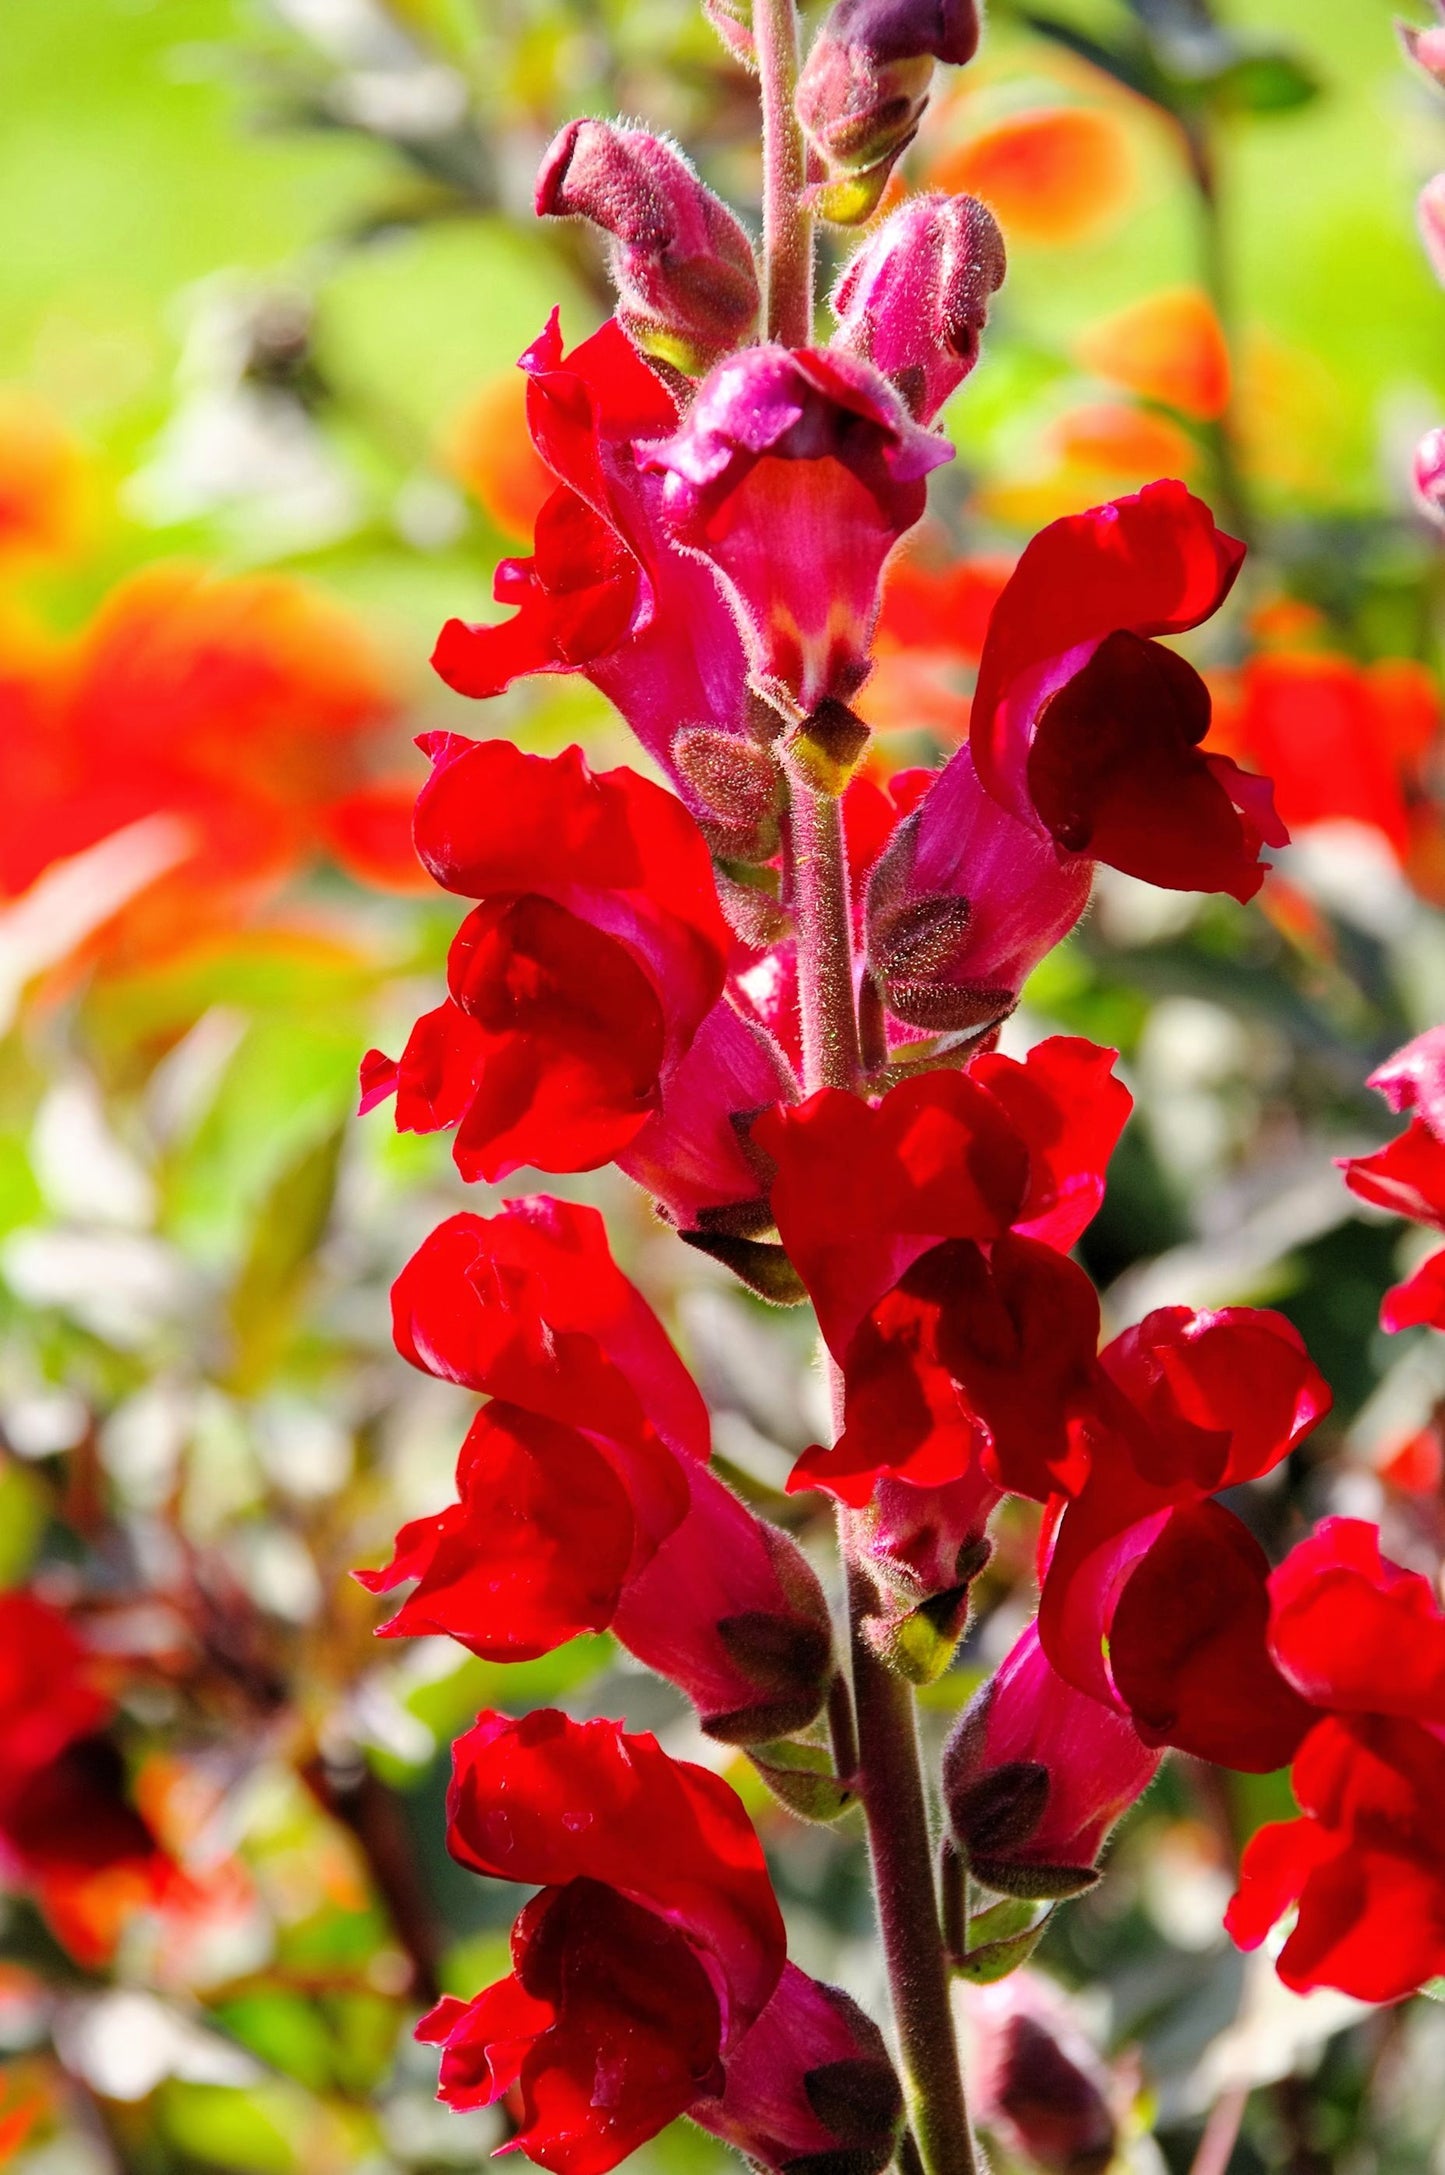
(1222, 435)
(787, 225)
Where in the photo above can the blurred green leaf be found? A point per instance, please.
(279, 1262)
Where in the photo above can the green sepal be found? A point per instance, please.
(801, 1777)
(1011, 1932)
(758, 1263)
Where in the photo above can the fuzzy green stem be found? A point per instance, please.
(787, 224)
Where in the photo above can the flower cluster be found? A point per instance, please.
(770, 992)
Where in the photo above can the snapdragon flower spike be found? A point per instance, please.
(1364, 1640)
(793, 475)
(1408, 1173)
(1155, 1598)
(653, 1944)
(864, 87)
(963, 904)
(962, 1336)
(605, 593)
(1088, 729)
(682, 264)
(584, 1498)
(1035, 1774)
(914, 300)
(810, 2087)
(580, 986)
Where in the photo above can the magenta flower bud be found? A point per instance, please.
(1037, 2083)
(794, 473)
(682, 264)
(963, 905)
(1425, 47)
(809, 2086)
(1035, 1775)
(914, 301)
(729, 1608)
(1430, 218)
(1430, 474)
(925, 1546)
(864, 87)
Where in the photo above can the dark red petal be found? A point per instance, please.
(635, 2034)
(1153, 563)
(1188, 1649)
(549, 1800)
(972, 1353)
(1115, 772)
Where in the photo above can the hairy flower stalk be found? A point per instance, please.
(890, 1772)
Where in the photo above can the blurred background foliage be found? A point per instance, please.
(266, 267)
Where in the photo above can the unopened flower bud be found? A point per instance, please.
(864, 87)
(1038, 2084)
(914, 301)
(1430, 474)
(1425, 47)
(809, 2087)
(1430, 218)
(1035, 1775)
(730, 19)
(735, 790)
(682, 264)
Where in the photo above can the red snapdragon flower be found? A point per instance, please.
(69, 1835)
(794, 474)
(247, 711)
(1036, 1773)
(1088, 729)
(1364, 1640)
(1155, 1599)
(604, 592)
(585, 1019)
(584, 1497)
(928, 1229)
(653, 1944)
(1408, 1173)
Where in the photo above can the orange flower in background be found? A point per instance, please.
(244, 708)
(1056, 174)
(489, 450)
(1170, 347)
(1123, 442)
(45, 489)
(930, 631)
(1342, 742)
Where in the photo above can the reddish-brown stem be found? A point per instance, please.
(825, 937)
(787, 224)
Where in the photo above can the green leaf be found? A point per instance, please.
(1268, 82)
